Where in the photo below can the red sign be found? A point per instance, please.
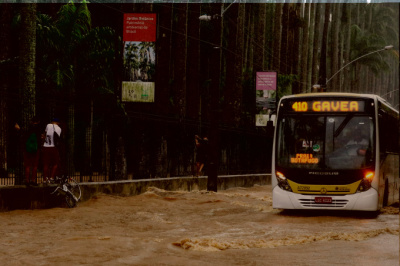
(140, 27)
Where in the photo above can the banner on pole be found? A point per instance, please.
(140, 27)
(266, 81)
(138, 91)
(266, 88)
(139, 36)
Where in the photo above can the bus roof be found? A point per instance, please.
(341, 94)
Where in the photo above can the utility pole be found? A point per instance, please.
(215, 72)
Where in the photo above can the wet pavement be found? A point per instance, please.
(232, 227)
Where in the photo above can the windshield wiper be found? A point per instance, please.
(343, 125)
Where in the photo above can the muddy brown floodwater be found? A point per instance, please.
(232, 227)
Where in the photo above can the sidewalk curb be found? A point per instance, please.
(39, 197)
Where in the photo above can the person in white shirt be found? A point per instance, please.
(359, 139)
(359, 142)
(50, 155)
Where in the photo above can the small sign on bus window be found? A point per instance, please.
(304, 158)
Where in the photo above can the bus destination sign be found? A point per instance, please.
(328, 106)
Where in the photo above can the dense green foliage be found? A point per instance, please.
(202, 70)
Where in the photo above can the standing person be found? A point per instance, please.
(31, 151)
(201, 151)
(358, 138)
(51, 155)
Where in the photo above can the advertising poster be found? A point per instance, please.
(139, 36)
(266, 84)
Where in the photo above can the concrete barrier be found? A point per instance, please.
(40, 197)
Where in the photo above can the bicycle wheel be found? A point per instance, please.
(73, 194)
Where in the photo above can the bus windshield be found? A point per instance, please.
(325, 141)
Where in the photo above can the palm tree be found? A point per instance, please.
(259, 40)
(27, 57)
(383, 22)
(277, 37)
(27, 65)
(305, 47)
(131, 63)
(311, 47)
(335, 55)
(362, 44)
(347, 22)
(324, 42)
(77, 63)
(146, 62)
(294, 54)
(284, 67)
(96, 78)
(316, 43)
(60, 40)
(5, 29)
(238, 70)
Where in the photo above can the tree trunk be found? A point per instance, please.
(27, 75)
(27, 62)
(317, 44)
(238, 67)
(180, 58)
(120, 166)
(248, 79)
(249, 37)
(305, 46)
(335, 82)
(259, 44)
(89, 140)
(311, 47)
(259, 30)
(193, 62)
(322, 72)
(347, 47)
(70, 167)
(234, 33)
(269, 36)
(276, 48)
(5, 30)
(294, 58)
(164, 48)
(215, 70)
(284, 43)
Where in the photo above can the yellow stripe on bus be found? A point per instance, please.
(324, 189)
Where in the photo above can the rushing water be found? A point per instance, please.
(233, 227)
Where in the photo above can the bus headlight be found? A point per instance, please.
(282, 182)
(366, 181)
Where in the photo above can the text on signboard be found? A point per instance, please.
(326, 106)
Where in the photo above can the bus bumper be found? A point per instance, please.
(363, 201)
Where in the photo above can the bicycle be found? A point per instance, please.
(68, 187)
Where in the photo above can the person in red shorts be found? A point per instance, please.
(31, 151)
(201, 153)
(50, 154)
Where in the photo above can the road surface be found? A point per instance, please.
(232, 227)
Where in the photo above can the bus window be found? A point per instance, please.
(300, 141)
(325, 142)
(350, 145)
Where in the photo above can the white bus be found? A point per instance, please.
(335, 151)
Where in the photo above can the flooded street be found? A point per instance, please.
(232, 227)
